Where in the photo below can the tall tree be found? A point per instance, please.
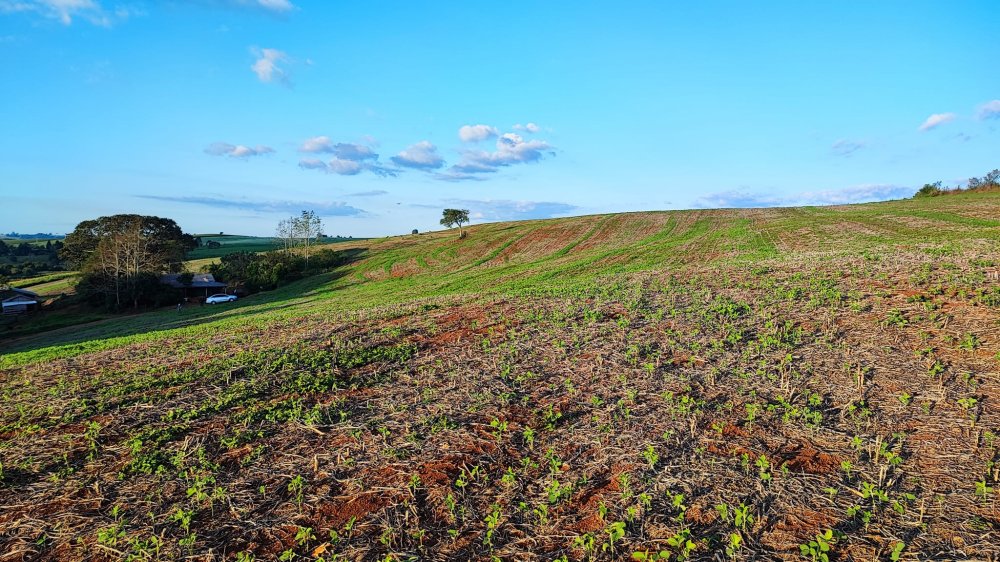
(286, 233)
(307, 228)
(119, 254)
(452, 217)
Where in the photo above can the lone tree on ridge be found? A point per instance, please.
(452, 217)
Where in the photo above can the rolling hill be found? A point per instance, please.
(748, 383)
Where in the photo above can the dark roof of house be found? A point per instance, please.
(200, 280)
(12, 292)
(17, 300)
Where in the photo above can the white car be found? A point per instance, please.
(220, 298)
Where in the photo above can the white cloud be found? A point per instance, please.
(864, 193)
(422, 155)
(475, 133)
(316, 145)
(66, 10)
(341, 150)
(511, 148)
(348, 159)
(356, 152)
(846, 147)
(268, 68)
(343, 167)
(530, 127)
(989, 110)
(270, 5)
(333, 166)
(372, 193)
(323, 208)
(237, 150)
(504, 210)
(936, 120)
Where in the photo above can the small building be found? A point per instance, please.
(18, 301)
(202, 284)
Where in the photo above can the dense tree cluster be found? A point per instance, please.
(248, 272)
(122, 257)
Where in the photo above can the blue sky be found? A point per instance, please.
(228, 115)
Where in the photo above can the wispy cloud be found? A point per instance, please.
(455, 176)
(989, 110)
(328, 209)
(268, 67)
(528, 127)
(846, 147)
(273, 6)
(864, 193)
(66, 11)
(504, 210)
(422, 156)
(372, 193)
(343, 167)
(236, 150)
(476, 133)
(936, 120)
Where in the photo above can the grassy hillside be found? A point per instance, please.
(700, 383)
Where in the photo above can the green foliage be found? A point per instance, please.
(818, 549)
(455, 217)
(122, 257)
(929, 190)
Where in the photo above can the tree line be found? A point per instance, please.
(121, 258)
(989, 182)
(27, 260)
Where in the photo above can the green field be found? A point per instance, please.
(230, 244)
(719, 384)
(52, 284)
(234, 243)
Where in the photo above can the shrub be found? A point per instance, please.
(929, 190)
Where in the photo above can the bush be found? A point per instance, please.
(929, 190)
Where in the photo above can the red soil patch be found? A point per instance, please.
(803, 457)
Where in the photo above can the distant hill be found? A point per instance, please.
(36, 236)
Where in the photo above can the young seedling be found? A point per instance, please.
(764, 468)
(90, 436)
(616, 532)
(818, 549)
(651, 456)
(297, 487)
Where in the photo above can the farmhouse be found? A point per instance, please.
(18, 301)
(201, 286)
